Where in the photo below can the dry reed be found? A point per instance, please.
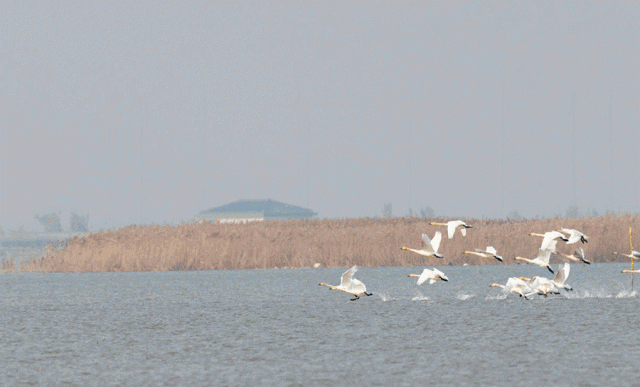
(331, 242)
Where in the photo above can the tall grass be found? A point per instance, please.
(331, 242)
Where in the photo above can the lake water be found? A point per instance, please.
(278, 327)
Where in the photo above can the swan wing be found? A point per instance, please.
(562, 274)
(437, 272)
(579, 253)
(345, 280)
(544, 255)
(356, 286)
(513, 282)
(452, 225)
(427, 244)
(426, 273)
(435, 243)
(491, 250)
(548, 244)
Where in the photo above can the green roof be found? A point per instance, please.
(270, 208)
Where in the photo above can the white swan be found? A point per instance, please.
(350, 285)
(541, 260)
(549, 240)
(574, 236)
(631, 271)
(490, 252)
(516, 286)
(561, 277)
(452, 225)
(431, 275)
(577, 256)
(634, 255)
(429, 246)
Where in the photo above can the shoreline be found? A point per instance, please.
(365, 242)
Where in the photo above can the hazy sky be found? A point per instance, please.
(151, 112)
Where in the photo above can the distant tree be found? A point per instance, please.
(514, 215)
(593, 213)
(51, 222)
(427, 212)
(572, 212)
(386, 210)
(78, 223)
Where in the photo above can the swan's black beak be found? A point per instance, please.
(468, 226)
(551, 270)
(444, 279)
(565, 239)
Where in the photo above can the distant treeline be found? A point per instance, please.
(328, 242)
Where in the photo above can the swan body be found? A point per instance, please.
(631, 271)
(429, 246)
(577, 256)
(574, 236)
(543, 286)
(541, 260)
(549, 239)
(431, 275)
(350, 285)
(490, 252)
(452, 226)
(516, 286)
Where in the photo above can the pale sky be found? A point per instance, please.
(149, 112)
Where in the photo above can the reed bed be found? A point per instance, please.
(329, 242)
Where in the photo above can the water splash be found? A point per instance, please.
(601, 293)
(420, 297)
(463, 297)
(385, 297)
(626, 294)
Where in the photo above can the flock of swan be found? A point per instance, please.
(522, 286)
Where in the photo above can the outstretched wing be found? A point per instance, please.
(548, 243)
(435, 243)
(491, 250)
(427, 244)
(437, 272)
(579, 253)
(356, 286)
(562, 274)
(451, 227)
(544, 255)
(426, 273)
(345, 280)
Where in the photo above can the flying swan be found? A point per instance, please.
(577, 256)
(634, 255)
(490, 252)
(549, 240)
(541, 260)
(452, 225)
(431, 275)
(574, 236)
(516, 286)
(429, 246)
(350, 285)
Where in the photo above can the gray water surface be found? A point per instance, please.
(278, 327)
